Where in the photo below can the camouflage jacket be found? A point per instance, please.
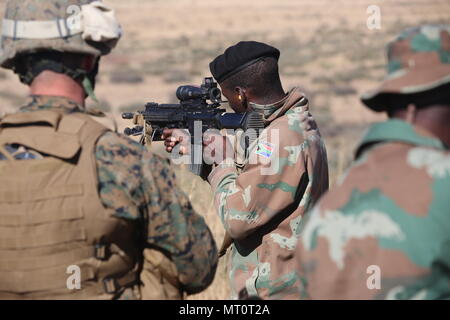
(384, 231)
(261, 207)
(127, 170)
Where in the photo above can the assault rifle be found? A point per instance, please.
(199, 110)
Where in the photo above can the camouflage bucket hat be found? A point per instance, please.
(77, 26)
(418, 61)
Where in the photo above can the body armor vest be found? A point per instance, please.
(57, 241)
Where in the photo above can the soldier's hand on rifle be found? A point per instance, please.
(173, 137)
(217, 148)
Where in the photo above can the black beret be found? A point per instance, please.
(239, 57)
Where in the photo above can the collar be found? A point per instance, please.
(275, 110)
(39, 102)
(268, 109)
(395, 130)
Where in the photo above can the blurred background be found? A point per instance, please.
(326, 49)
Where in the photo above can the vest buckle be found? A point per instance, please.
(102, 252)
(110, 285)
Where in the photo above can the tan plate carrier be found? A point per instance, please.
(51, 216)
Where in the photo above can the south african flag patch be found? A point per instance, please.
(265, 149)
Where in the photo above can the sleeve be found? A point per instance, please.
(175, 227)
(140, 186)
(274, 179)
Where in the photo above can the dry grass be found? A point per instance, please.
(325, 46)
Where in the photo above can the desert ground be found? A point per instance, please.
(326, 49)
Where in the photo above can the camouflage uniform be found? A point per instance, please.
(163, 213)
(112, 211)
(384, 231)
(262, 206)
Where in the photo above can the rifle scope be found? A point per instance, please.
(185, 93)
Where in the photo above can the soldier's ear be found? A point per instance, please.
(238, 91)
(241, 96)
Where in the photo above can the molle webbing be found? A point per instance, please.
(51, 216)
(40, 280)
(10, 218)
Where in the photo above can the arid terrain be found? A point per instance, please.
(326, 48)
